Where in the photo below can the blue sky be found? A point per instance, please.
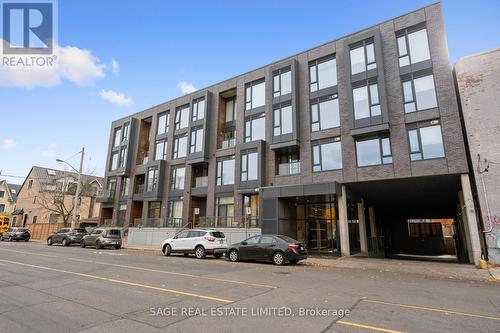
(143, 49)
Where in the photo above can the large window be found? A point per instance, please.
(366, 101)
(224, 211)
(161, 149)
(154, 209)
(373, 152)
(230, 109)
(282, 120)
(413, 47)
(175, 210)
(182, 117)
(177, 178)
(114, 160)
(255, 95)
(123, 157)
(124, 186)
(287, 163)
(117, 137)
(419, 94)
(196, 144)
(198, 109)
(426, 142)
(325, 113)
(255, 128)
(225, 171)
(152, 179)
(249, 166)
(180, 146)
(327, 156)
(163, 122)
(282, 82)
(322, 74)
(125, 131)
(363, 58)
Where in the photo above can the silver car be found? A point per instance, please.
(103, 237)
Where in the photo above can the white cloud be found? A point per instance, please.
(186, 87)
(8, 143)
(49, 151)
(116, 97)
(77, 65)
(115, 66)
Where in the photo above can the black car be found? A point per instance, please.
(274, 248)
(67, 236)
(16, 234)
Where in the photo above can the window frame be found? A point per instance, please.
(382, 155)
(250, 100)
(175, 184)
(314, 64)
(199, 111)
(152, 184)
(279, 108)
(166, 123)
(371, 105)
(417, 127)
(404, 34)
(193, 144)
(364, 44)
(179, 112)
(122, 157)
(317, 145)
(125, 131)
(318, 101)
(411, 79)
(117, 136)
(233, 111)
(164, 151)
(219, 172)
(177, 140)
(245, 165)
(249, 136)
(277, 91)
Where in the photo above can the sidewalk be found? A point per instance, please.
(427, 268)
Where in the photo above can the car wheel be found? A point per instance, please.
(98, 245)
(234, 255)
(167, 249)
(278, 258)
(27, 239)
(186, 254)
(117, 247)
(217, 255)
(49, 241)
(11, 239)
(82, 244)
(65, 242)
(294, 262)
(200, 252)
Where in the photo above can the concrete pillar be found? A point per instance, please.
(343, 225)
(470, 213)
(363, 236)
(373, 223)
(465, 227)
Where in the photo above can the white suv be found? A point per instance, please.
(198, 241)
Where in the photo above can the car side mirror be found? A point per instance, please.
(244, 243)
(175, 237)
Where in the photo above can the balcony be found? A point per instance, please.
(157, 222)
(142, 158)
(227, 222)
(228, 143)
(201, 182)
(105, 196)
(286, 169)
(139, 189)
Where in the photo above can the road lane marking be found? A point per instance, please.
(417, 307)
(128, 283)
(368, 327)
(259, 285)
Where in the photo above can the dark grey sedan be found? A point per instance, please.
(66, 236)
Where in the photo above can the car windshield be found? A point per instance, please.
(80, 231)
(288, 239)
(217, 234)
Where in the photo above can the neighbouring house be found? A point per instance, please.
(479, 90)
(8, 196)
(45, 200)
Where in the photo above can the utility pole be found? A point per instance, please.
(78, 186)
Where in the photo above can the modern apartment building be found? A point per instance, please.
(479, 90)
(352, 146)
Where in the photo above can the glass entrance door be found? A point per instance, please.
(317, 235)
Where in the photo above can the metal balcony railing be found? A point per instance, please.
(201, 181)
(158, 222)
(226, 222)
(289, 168)
(228, 143)
(104, 194)
(139, 188)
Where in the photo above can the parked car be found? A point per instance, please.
(198, 241)
(66, 236)
(16, 234)
(274, 248)
(103, 237)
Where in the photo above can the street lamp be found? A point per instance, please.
(77, 193)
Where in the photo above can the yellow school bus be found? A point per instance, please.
(4, 223)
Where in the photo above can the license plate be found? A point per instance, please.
(221, 241)
(301, 248)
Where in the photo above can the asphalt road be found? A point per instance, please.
(58, 289)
